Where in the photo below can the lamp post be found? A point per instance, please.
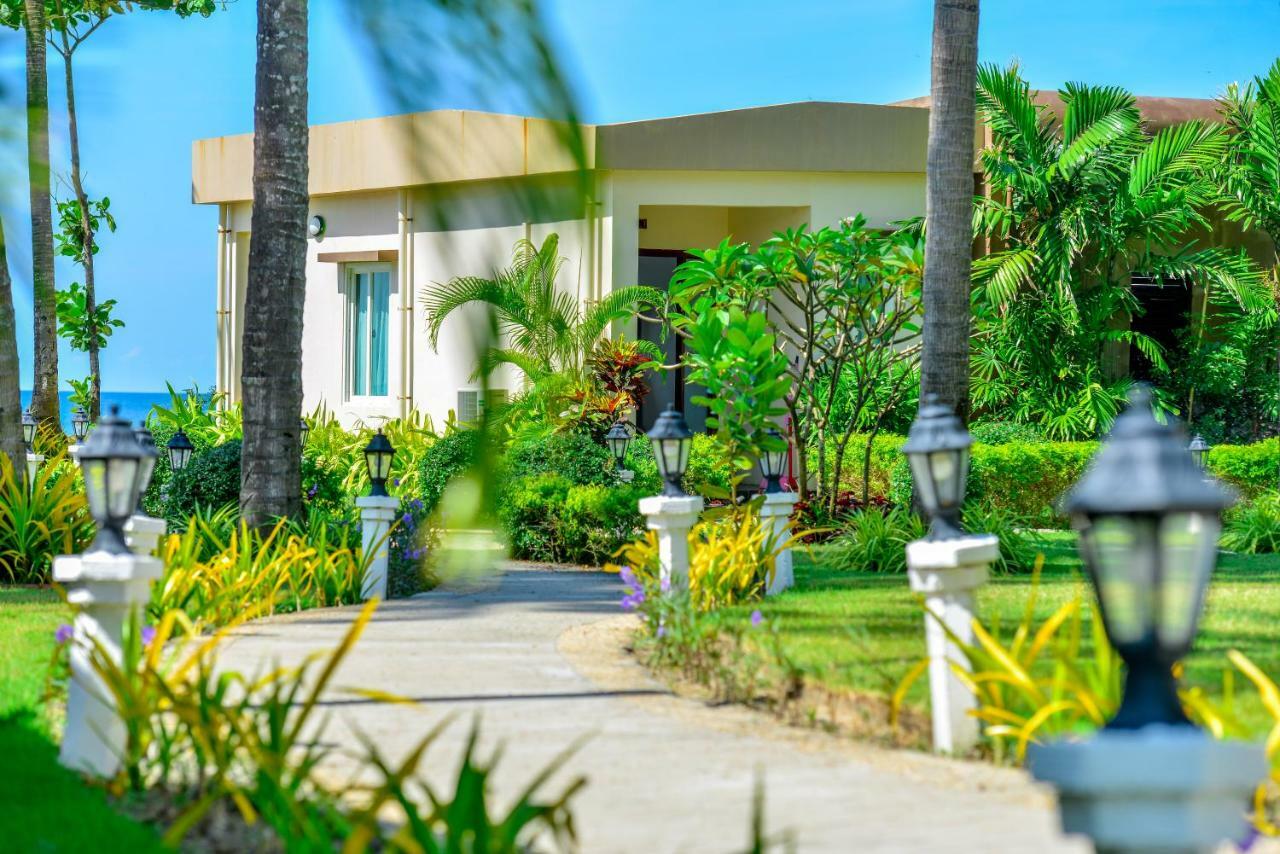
(79, 424)
(180, 449)
(377, 509)
(304, 430)
(1148, 519)
(1199, 450)
(617, 440)
(29, 439)
(673, 513)
(109, 586)
(142, 531)
(946, 567)
(775, 510)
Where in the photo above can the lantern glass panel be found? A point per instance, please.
(147, 468)
(379, 465)
(1123, 553)
(122, 475)
(773, 462)
(95, 487)
(618, 447)
(922, 476)
(178, 458)
(947, 468)
(1188, 551)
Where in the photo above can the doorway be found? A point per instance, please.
(667, 387)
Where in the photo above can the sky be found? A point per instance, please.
(148, 84)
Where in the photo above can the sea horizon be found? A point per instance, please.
(134, 405)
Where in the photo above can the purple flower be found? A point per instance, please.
(662, 631)
(665, 585)
(311, 493)
(395, 481)
(407, 518)
(633, 600)
(416, 504)
(757, 619)
(628, 576)
(148, 635)
(63, 634)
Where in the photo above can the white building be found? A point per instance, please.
(416, 199)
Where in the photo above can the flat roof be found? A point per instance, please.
(442, 146)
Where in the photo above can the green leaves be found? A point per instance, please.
(72, 236)
(79, 325)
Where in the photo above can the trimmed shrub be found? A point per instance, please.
(210, 480)
(574, 456)
(1004, 433)
(447, 457)
(1252, 469)
(548, 518)
(529, 510)
(708, 472)
(886, 451)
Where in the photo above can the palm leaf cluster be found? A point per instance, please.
(544, 330)
(1081, 203)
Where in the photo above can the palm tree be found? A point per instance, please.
(547, 330)
(1080, 206)
(10, 396)
(944, 361)
(44, 398)
(271, 378)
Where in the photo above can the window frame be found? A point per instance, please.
(349, 311)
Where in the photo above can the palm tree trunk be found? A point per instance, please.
(86, 226)
(10, 396)
(944, 364)
(44, 397)
(271, 376)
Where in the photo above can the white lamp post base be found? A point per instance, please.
(776, 512)
(1172, 790)
(673, 518)
(626, 475)
(105, 589)
(376, 513)
(143, 533)
(947, 572)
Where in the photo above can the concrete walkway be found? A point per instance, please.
(535, 653)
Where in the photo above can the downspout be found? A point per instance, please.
(220, 316)
(405, 274)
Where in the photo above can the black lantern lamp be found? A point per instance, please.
(79, 424)
(28, 428)
(148, 443)
(1199, 449)
(938, 450)
(304, 430)
(671, 438)
(1148, 520)
(377, 456)
(618, 438)
(180, 449)
(773, 461)
(113, 464)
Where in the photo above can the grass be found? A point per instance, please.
(44, 807)
(859, 630)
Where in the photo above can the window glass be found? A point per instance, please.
(368, 308)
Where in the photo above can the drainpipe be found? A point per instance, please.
(406, 302)
(226, 334)
(220, 315)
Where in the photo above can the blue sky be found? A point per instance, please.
(148, 84)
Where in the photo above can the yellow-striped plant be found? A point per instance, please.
(40, 520)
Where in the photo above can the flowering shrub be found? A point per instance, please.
(411, 551)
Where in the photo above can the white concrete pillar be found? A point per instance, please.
(104, 589)
(1166, 789)
(947, 572)
(376, 513)
(673, 518)
(776, 512)
(626, 475)
(143, 533)
(33, 466)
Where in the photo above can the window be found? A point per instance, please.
(368, 305)
(470, 406)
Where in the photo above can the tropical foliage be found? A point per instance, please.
(40, 520)
(1079, 207)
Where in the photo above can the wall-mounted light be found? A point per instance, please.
(315, 226)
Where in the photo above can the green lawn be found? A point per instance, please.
(860, 630)
(43, 807)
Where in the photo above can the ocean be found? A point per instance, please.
(134, 405)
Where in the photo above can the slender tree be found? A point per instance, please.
(10, 396)
(944, 362)
(44, 398)
(271, 376)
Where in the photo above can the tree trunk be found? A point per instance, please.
(86, 227)
(44, 397)
(10, 396)
(944, 364)
(271, 376)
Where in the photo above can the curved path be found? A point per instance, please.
(535, 652)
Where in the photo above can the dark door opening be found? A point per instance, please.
(1164, 311)
(655, 269)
